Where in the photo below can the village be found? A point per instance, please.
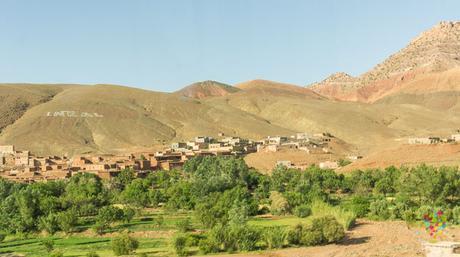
(25, 166)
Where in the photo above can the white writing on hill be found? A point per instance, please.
(74, 114)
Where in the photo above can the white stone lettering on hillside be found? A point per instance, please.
(74, 114)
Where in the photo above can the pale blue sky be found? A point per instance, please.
(165, 45)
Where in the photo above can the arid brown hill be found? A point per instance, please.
(206, 89)
(436, 50)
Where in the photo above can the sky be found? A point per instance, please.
(166, 45)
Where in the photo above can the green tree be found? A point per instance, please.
(279, 204)
(136, 193)
(67, 220)
(106, 216)
(49, 223)
(86, 191)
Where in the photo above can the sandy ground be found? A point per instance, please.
(367, 239)
(410, 155)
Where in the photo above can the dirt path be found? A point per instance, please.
(367, 239)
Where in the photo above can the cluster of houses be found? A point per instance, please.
(24, 166)
(312, 144)
(454, 138)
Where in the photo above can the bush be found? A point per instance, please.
(424, 210)
(279, 204)
(380, 209)
(409, 216)
(323, 230)
(302, 211)
(312, 235)
(67, 220)
(331, 228)
(48, 244)
(208, 246)
(124, 245)
(2, 237)
(245, 238)
(92, 254)
(294, 235)
(344, 217)
(184, 225)
(128, 214)
(179, 244)
(359, 205)
(274, 237)
(49, 223)
(456, 215)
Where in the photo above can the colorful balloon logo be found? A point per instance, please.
(435, 222)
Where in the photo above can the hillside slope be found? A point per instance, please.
(206, 89)
(16, 99)
(124, 118)
(435, 50)
(365, 125)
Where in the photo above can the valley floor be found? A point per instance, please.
(366, 238)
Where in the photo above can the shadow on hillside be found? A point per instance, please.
(355, 241)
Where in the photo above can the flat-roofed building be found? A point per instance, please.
(7, 149)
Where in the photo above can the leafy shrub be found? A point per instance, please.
(322, 230)
(49, 223)
(380, 209)
(128, 214)
(456, 215)
(2, 237)
(235, 237)
(424, 210)
(179, 244)
(279, 204)
(331, 228)
(274, 237)
(67, 220)
(245, 238)
(193, 239)
(48, 244)
(312, 235)
(92, 254)
(344, 217)
(409, 216)
(184, 225)
(294, 235)
(124, 245)
(359, 205)
(208, 245)
(302, 211)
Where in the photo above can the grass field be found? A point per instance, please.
(153, 238)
